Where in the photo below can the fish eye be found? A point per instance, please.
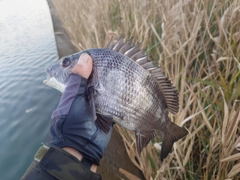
(66, 62)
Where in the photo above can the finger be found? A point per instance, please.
(84, 59)
(77, 68)
(84, 65)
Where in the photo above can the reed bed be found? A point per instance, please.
(197, 43)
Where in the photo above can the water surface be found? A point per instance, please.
(27, 46)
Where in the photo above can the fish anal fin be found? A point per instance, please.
(174, 133)
(143, 138)
(104, 122)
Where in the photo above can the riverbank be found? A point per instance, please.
(115, 156)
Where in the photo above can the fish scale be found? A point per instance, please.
(125, 87)
(129, 75)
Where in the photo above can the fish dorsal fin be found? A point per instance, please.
(110, 44)
(135, 53)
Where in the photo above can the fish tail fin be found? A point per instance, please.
(174, 133)
(143, 138)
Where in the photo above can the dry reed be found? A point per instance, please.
(197, 43)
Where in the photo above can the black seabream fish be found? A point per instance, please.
(125, 87)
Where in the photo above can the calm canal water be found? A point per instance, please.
(27, 46)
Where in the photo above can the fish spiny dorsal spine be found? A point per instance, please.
(135, 53)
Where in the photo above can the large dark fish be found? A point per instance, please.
(127, 88)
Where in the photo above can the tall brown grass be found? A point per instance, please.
(197, 43)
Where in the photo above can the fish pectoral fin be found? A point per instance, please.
(174, 133)
(104, 122)
(98, 88)
(143, 138)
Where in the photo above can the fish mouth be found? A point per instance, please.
(47, 80)
(51, 81)
(48, 72)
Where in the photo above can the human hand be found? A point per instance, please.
(84, 66)
(73, 122)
